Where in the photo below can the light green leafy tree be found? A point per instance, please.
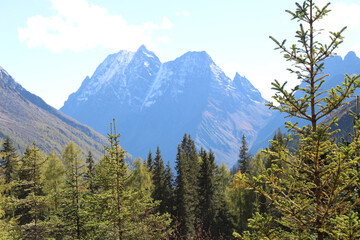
(54, 184)
(140, 178)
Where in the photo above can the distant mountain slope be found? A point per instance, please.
(156, 103)
(336, 67)
(345, 122)
(26, 118)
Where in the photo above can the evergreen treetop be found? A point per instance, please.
(186, 186)
(150, 161)
(307, 59)
(310, 188)
(244, 155)
(9, 160)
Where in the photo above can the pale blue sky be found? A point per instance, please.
(50, 46)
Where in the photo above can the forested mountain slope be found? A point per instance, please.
(26, 118)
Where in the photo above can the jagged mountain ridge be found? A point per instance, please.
(156, 103)
(336, 67)
(26, 118)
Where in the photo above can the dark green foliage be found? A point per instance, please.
(73, 214)
(31, 206)
(169, 190)
(150, 161)
(9, 160)
(90, 173)
(244, 155)
(186, 189)
(223, 227)
(214, 212)
(208, 199)
(159, 180)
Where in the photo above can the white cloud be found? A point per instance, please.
(79, 25)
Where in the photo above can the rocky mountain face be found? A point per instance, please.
(156, 103)
(26, 118)
(336, 67)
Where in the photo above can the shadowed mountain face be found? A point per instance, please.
(156, 103)
(26, 118)
(336, 67)
(345, 121)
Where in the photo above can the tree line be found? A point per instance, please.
(69, 197)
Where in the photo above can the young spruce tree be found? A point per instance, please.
(120, 211)
(311, 189)
(73, 214)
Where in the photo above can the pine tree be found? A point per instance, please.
(73, 214)
(7, 222)
(186, 190)
(119, 211)
(312, 185)
(150, 161)
(169, 190)
(29, 190)
(159, 181)
(90, 173)
(208, 184)
(224, 226)
(244, 155)
(9, 160)
(117, 160)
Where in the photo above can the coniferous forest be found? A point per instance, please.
(304, 185)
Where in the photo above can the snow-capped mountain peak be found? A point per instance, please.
(156, 103)
(245, 87)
